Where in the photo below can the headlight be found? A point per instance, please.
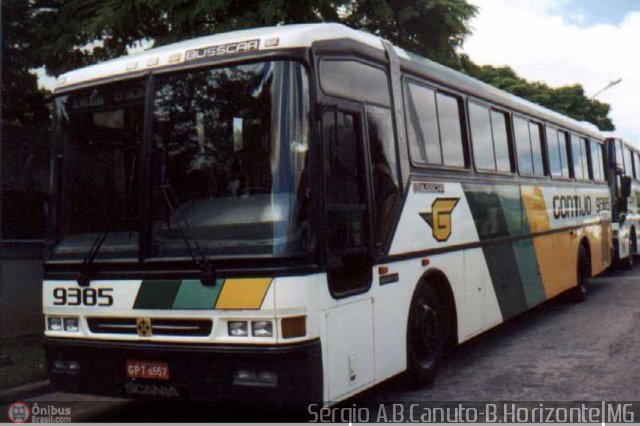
(54, 323)
(262, 328)
(238, 328)
(71, 324)
(255, 378)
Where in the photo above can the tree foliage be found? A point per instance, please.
(67, 34)
(567, 100)
(434, 28)
(22, 101)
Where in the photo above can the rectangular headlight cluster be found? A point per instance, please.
(67, 324)
(255, 378)
(258, 328)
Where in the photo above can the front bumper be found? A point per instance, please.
(197, 372)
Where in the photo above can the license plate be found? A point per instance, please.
(157, 370)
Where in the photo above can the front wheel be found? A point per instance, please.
(427, 334)
(579, 293)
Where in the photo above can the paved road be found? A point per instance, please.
(558, 351)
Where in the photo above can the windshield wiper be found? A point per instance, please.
(207, 271)
(84, 278)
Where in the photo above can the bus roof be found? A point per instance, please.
(288, 36)
(615, 136)
(304, 35)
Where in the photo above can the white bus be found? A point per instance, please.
(299, 213)
(623, 177)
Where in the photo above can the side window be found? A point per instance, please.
(344, 171)
(384, 167)
(602, 162)
(535, 130)
(564, 146)
(555, 163)
(354, 80)
(434, 127)
(619, 154)
(346, 208)
(422, 118)
(523, 145)
(501, 140)
(450, 120)
(586, 167)
(482, 137)
(628, 162)
(596, 161)
(489, 138)
(576, 156)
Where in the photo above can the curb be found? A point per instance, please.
(25, 391)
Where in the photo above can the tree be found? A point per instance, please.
(79, 32)
(434, 29)
(67, 34)
(22, 102)
(567, 100)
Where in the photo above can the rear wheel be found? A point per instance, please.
(579, 293)
(628, 262)
(630, 259)
(427, 335)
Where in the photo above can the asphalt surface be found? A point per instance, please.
(559, 351)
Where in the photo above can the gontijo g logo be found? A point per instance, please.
(439, 219)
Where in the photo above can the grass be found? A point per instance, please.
(25, 361)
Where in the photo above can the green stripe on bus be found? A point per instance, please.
(193, 295)
(529, 271)
(510, 201)
(497, 213)
(156, 294)
(505, 276)
(496, 210)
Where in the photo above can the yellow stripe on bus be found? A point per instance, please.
(536, 209)
(243, 293)
(556, 253)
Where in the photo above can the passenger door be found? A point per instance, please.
(348, 247)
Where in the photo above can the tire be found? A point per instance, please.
(581, 290)
(427, 335)
(629, 261)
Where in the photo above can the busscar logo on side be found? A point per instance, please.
(222, 50)
(428, 188)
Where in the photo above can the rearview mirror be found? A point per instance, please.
(625, 186)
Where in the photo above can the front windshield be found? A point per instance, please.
(101, 131)
(227, 170)
(229, 161)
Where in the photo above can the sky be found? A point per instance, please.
(564, 42)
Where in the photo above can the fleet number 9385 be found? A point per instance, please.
(82, 296)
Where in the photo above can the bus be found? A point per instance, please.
(623, 176)
(298, 213)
